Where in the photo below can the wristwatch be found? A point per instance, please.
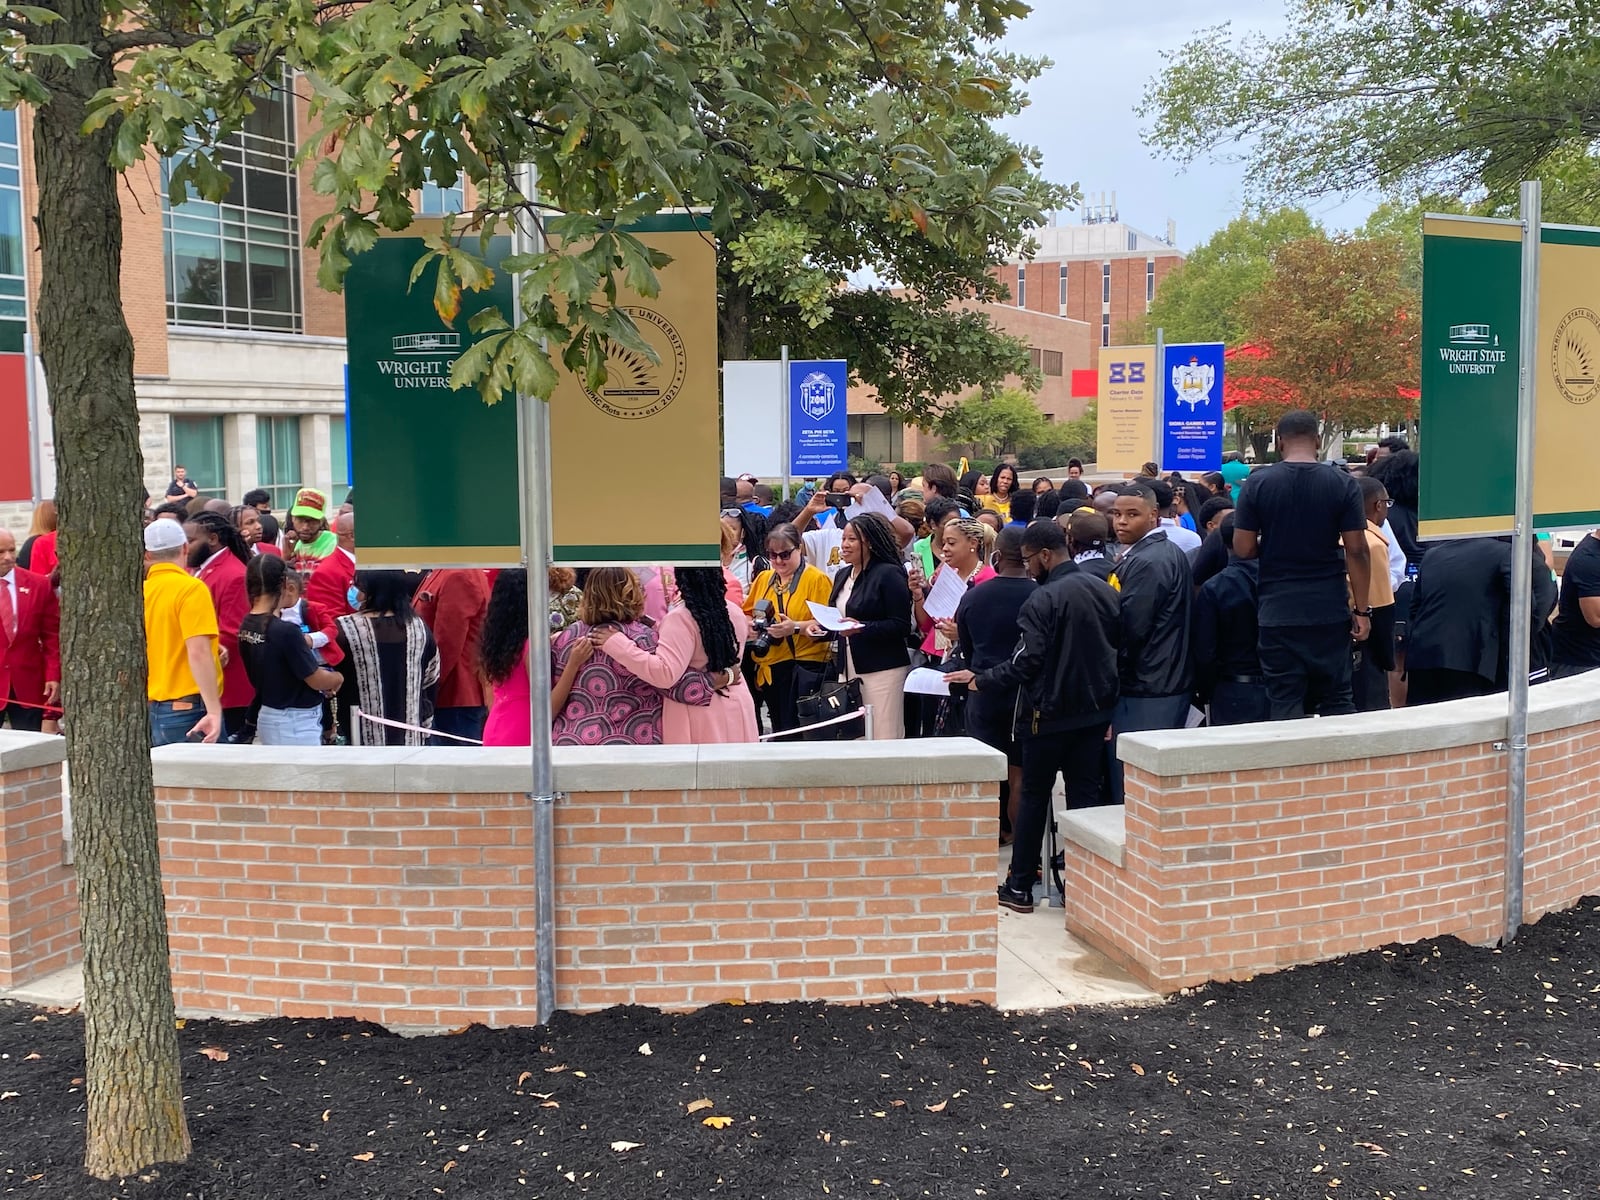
(1363, 612)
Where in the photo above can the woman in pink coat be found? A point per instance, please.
(706, 630)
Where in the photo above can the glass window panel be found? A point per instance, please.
(197, 447)
(10, 232)
(340, 451)
(278, 458)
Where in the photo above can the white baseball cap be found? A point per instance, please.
(162, 535)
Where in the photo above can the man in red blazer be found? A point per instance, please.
(30, 642)
(328, 589)
(454, 604)
(217, 558)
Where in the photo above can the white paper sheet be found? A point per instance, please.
(870, 501)
(944, 595)
(925, 681)
(832, 618)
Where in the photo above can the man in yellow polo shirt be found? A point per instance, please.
(180, 630)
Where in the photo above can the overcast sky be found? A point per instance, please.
(1083, 118)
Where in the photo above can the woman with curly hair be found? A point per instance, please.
(703, 631)
(874, 592)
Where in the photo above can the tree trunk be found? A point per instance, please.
(135, 1093)
(733, 320)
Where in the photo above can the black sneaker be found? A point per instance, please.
(1016, 899)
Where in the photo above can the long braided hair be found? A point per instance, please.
(230, 537)
(878, 537)
(705, 596)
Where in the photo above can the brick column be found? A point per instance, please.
(38, 892)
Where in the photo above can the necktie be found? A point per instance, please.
(8, 612)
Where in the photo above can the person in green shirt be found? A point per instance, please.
(313, 540)
(939, 512)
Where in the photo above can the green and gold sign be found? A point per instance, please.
(436, 469)
(1471, 356)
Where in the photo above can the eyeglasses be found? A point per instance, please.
(1388, 503)
(733, 512)
(777, 554)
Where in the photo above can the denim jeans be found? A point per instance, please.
(463, 722)
(169, 725)
(289, 726)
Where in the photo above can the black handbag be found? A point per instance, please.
(824, 696)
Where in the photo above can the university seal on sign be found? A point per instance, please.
(636, 387)
(817, 396)
(1193, 382)
(1575, 354)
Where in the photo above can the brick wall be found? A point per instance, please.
(1332, 837)
(864, 876)
(38, 892)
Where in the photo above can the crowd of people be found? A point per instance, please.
(1061, 616)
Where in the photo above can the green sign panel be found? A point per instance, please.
(1471, 321)
(436, 468)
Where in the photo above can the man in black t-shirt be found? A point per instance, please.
(182, 487)
(1294, 516)
(1575, 634)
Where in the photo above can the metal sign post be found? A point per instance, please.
(533, 424)
(1521, 561)
(787, 451)
(1158, 424)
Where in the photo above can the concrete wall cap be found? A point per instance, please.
(22, 751)
(1102, 831)
(1552, 706)
(577, 769)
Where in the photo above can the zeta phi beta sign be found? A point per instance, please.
(817, 438)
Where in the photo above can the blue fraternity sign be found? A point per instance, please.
(1191, 408)
(817, 440)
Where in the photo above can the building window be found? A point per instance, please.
(13, 293)
(875, 437)
(1047, 362)
(1063, 300)
(1105, 283)
(1105, 329)
(339, 450)
(197, 448)
(436, 201)
(1149, 280)
(236, 265)
(278, 458)
(1022, 287)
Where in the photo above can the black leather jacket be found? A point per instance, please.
(1065, 665)
(1156, 595)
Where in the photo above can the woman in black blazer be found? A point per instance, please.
(872, 589)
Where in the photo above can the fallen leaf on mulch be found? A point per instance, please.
(623, 1147)
(1316, 1031)
(936, 1108)
(1374, 1148)
(9, 1095)
(524, 1077)
(214, 1053)
(1137, 1069)
(31, 1057)
(645, 1050)
(700, 1105)
(364, 1156)
(449, 1166)
(718, 1122)
(1049, 1087)
(326, 1112)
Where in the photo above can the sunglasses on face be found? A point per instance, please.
(777, 554)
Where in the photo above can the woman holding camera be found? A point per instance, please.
(873, 592)
(783, 594)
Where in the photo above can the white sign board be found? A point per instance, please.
(754, 399)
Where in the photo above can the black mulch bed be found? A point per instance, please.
(1437, 1070)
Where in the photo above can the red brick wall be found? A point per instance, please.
(38, 892)
(417, 909)
(1229, 874)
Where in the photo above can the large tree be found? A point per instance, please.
(1203, 300)
(619, 105)
(1339, 332)
(1454, 97)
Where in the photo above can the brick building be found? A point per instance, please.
(238, 355)
(1058, 345)
(1103, 272)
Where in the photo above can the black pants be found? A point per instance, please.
(1078, 756)
(1235, 703)
(781, 695)
(1438, 684)
(233, 720)
(1135, 714)
(23, 720)
(1307, 668)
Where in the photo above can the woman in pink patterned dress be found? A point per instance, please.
(705, 630)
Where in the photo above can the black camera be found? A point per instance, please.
(760, 625)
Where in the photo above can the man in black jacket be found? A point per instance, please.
(1065, 670)
(1227, 671)
(1457, 643)
(1157, 591)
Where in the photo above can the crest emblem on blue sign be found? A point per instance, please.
(817, 396)
(1193, 382)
